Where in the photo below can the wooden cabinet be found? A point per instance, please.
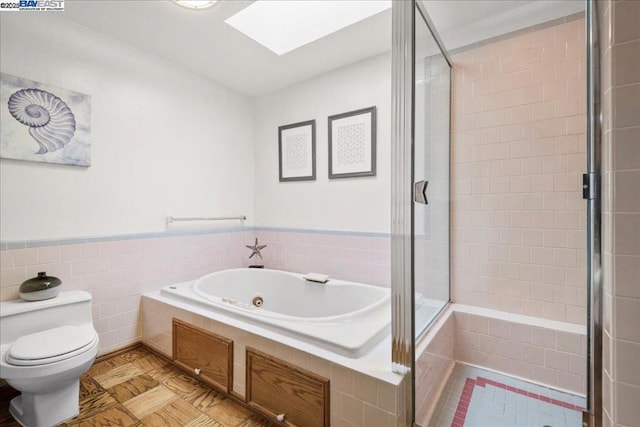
(275, 387)
(203, 353)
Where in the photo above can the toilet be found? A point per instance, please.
(45, 346)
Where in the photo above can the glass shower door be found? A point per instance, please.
(431, 157)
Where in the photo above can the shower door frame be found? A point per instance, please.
(402, 205)
(402, 216)
(402, 300)
(593, 415)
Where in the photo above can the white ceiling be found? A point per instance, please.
(202, 42)
(462, 22)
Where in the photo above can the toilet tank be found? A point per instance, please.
(19, 317)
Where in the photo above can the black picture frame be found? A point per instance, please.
(281, 171)
(371, 170)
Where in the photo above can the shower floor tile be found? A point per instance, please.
(475, 397)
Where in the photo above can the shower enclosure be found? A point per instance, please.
(421, 129)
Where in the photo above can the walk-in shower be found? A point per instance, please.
(489, 147)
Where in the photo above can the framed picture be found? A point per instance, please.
(44, 123)
(352, 144)
(297, 151)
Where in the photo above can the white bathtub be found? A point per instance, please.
(348, 318)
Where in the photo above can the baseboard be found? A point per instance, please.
(117, 352)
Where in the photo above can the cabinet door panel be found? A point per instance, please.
(204, 353)
(275, 387)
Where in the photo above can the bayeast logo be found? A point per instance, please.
(32, 5)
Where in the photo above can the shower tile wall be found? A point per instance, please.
(518, 152)
(620, 91)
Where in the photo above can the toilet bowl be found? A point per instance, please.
(45, 346)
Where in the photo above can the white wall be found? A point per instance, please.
(164, 141)
(361, 204)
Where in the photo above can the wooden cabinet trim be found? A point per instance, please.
(225, 342)
(319, 381)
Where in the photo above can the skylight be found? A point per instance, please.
(284, 25)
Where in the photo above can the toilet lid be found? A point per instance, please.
(51, 345)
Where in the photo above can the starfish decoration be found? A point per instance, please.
(256, 249)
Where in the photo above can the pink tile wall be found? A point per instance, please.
(551, 357)
(433, 366)
(620, 92)
(118, 273)
(346, 256)
(518, 152)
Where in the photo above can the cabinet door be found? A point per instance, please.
(207, 355)
(275, 387)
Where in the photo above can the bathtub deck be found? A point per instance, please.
(138, 388)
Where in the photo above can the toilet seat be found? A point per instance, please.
(51, 345)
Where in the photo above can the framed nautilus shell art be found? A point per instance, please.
(42, 123)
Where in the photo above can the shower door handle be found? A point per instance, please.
(420, 192)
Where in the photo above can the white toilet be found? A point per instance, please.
(45, 346)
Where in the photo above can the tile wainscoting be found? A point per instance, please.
(354, 256)
(118, 269)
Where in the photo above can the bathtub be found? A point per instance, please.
(344, 317)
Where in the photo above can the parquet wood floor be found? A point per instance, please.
(139, 388)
